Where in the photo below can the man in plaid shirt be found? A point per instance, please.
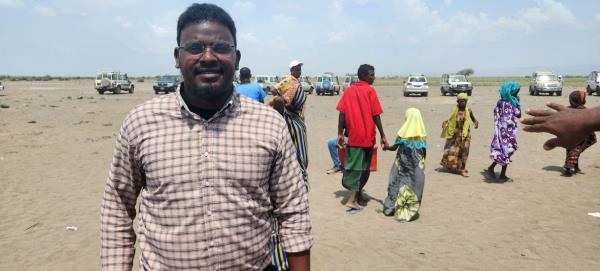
(210, 168)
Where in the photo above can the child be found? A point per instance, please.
(407, 177)
(577, 101)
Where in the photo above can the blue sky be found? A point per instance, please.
(510, 37)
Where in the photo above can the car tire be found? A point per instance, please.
(131, 90)
(469, 93)
(101, 92)
(536, 92)
(588, 90)
(405, 94)
(156, 92)
(558, 93)
(117, 90)
(597, 91)
(425, 94)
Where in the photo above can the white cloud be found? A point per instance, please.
(123, 22)
(448, 2)
(336, 37)
(160, 31)
(597, 17)
(249, 36)
(283, 20)
(243, 6)
(10, 3)
(548, 11)
(44, 11)
(337, 6)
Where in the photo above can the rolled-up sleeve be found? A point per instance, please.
(289, 196)
(118, 206)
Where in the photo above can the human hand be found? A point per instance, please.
(566, 124)
(341, 143)
(444, 124)
(476, 124)
(384, 143)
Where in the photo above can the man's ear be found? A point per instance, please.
(237, 61)
(176, 55)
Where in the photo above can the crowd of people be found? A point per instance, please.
(221, 174)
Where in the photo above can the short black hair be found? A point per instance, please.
(363, 71)
(245, 73)
(197, 13)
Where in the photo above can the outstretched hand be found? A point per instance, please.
(341, 143)
(565, 123)
(384, 143)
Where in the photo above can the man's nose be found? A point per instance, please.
(208, 55)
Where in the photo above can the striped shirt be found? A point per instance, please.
(207, 188)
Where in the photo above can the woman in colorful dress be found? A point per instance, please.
(577, 101)
(407, 176)
(456, 130)
(506, 115)
(289, 92)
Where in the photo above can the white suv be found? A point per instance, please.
(267, 82)
(545, 81)
(416, 83)
(593, 83)
(113, 81)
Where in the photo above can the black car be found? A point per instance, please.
(166, 84)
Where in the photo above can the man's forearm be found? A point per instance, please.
(299, 261)
(341, 124)
(377, 120)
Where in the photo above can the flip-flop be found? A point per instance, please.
(352, 211)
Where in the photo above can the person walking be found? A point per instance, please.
(407, 176)
(504, 143)
(457, 132)
(360, 112)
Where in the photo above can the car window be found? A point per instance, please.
(458, 79)
(419, 79)
(547, 77)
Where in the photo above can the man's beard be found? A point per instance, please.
(209, 91)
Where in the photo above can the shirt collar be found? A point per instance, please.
(228, 108)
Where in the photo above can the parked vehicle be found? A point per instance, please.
(267, 82)
(454, 84)
(593, 83)
(349, 80)
(113, 81)
(307, 86)
(416, 83)
(545, 82)
(328, 83)
(1, 86)
(166, 83)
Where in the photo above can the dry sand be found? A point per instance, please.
(57, 138)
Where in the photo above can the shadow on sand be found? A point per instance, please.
(363, 201)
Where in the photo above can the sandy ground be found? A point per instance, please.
(57, 138)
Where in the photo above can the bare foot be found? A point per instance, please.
(352, 205)
(464, 173)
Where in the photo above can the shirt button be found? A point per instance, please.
(205, 154)
(209, 213)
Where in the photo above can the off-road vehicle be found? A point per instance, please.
(1, 86)
(307, 86)
(328, 83)
(593, 83)
(545, 82)
(166, 84)
(267, 82)
(349, 80)
(416, 83)
(113, 81)
(454, 84)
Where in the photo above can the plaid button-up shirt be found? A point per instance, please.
(208, 188)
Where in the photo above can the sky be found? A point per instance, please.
(495, 38)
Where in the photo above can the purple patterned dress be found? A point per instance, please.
(504, 143)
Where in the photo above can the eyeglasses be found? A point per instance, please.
(197, 48)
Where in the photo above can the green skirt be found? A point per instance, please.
(356, 167)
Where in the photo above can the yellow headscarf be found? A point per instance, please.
(448, 131)
(413, 127)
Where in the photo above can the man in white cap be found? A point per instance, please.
(289, 93)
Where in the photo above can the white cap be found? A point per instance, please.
(295, 63)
